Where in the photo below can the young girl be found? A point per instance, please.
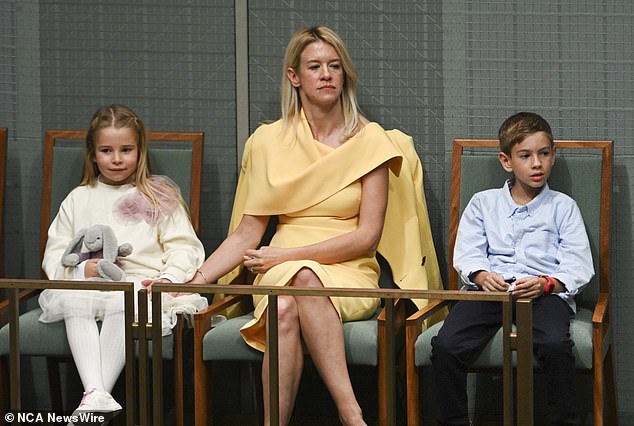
(146, 211)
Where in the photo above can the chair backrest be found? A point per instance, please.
(583, 170)
(174, 154)
(3, 163)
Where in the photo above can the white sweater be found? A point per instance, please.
(169, 248)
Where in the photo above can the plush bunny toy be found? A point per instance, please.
(100, 242)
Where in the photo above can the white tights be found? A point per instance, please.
(99, 356)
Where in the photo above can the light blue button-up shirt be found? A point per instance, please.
(546, 236)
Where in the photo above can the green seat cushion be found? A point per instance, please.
(360, 340)
(37, 338)
(491, 356)
(49, 339)
(224, 342)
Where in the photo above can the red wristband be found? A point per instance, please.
(549, 288)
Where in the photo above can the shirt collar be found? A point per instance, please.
(532, 207)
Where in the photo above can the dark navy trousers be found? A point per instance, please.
(469, 327)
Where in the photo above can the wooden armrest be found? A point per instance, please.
(202, 319)
(402, 308)
(414, 323)
(4, 304)
(430, 309)
(22, 295)
(400, 305)
(600, 310)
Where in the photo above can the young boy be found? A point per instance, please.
(524, 238)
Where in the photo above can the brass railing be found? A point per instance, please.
(138, 399)
(512, 340)
(15, 285)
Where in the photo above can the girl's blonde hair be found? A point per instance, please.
(291, 103)
(120, 116)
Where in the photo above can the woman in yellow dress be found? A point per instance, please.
(322, 169)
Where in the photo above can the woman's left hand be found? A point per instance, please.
(261, 260)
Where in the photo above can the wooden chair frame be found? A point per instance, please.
(196, 139)
(601, 340)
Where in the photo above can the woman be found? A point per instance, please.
(322, 169)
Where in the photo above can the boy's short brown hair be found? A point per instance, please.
(519, 126)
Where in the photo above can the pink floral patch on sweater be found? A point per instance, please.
(134, 207)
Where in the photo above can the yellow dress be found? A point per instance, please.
(315, 191)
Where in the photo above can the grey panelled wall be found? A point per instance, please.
(436, 70)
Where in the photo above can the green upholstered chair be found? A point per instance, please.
(363, 341)
(583, 170)
(174, 154)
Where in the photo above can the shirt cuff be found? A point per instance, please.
(80, 271)
(168, 276)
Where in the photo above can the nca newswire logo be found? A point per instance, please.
(52, 418)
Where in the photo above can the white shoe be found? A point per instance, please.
(98, 401)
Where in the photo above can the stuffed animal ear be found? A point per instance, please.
(110, 246)
(74, 246)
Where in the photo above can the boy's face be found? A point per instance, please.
(531, 161)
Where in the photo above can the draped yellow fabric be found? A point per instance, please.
(407, 242)
(315, 190)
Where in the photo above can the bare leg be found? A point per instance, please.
(323, 335)
(291, 360)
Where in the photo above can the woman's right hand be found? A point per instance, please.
(260, 260)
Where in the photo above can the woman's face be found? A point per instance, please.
(116, 154)
(319, 76)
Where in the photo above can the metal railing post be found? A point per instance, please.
(390, 379)
(14, 345)
(507, 365)
(141, 337)
(272, 349)
(157, 361)
(130, 399)
(524, 323)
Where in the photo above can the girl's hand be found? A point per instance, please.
(528, 288)
(149, 283)
(490, 281)
(90, 269)
(261, 260)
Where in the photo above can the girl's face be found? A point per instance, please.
(116, 154)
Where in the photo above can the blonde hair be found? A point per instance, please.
(291, 103)
(120, 116)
